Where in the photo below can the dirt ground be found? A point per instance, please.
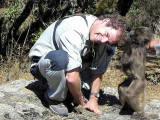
(114, 75)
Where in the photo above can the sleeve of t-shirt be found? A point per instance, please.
(71, 42)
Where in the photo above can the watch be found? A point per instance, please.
(95, 94)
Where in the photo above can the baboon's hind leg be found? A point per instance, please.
(121, 91)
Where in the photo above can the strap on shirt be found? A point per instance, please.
(59, 21)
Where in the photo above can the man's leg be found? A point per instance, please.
(52, 66)
(34, 70)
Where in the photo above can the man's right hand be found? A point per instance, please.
(74, 85)
(81, 101)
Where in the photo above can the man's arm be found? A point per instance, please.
(74, 85)
(92, 104)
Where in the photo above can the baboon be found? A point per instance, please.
(134, 62)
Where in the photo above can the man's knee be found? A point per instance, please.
(58, 59)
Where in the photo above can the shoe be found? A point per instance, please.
(56, 107)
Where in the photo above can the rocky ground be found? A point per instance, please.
(23, 100)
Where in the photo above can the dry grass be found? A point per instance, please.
(14, 69)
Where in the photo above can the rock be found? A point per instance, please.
(18, 102)
(153, 106)
(23, 100)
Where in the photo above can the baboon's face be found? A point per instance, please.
(139, 36)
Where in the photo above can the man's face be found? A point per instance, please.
(102, 34)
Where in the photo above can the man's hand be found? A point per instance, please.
(74, 85)
(92, 105)
(80, 102)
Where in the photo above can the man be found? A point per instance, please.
(69, 47)
(154, 45)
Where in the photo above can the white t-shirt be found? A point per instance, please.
(72, 36)
(157, 48)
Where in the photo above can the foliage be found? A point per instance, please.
(10, 14)
(105, 6)
(125, 76)
(90, 9)
(144, 13)
(36, 35)
(13, 11)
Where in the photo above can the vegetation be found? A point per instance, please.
(106, 7)
(23, 21)
(145, 13)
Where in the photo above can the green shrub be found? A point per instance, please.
(36, 35)
(144, 13)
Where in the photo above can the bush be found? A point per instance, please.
(145, 13)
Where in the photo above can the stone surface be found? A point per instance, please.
(23, 100)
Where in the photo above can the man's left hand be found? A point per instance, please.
(92, 105)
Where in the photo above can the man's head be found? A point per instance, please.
(106, 30)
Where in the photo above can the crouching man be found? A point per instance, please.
(68, 47)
